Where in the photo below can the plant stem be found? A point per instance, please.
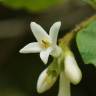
(66, 40)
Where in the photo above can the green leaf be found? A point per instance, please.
(32, 5)
(91, 2)
(86, 42)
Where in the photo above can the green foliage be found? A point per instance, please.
(86, 42)
(32, 5)
(91, 2)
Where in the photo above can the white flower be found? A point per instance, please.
(47, 44)
(46, 80)
(72, 70)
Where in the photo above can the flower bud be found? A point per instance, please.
(56, 51)
(72, 70)
(46, 80)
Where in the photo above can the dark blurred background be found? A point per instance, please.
(19, 72)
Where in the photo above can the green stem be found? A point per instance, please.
(67, 39)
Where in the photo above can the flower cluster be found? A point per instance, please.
(64, 63)
(46, 44)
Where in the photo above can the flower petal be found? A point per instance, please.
(54, 30)
(44, 55)
(45, 81)
(72, 70)
(39, 33)
(64, 85)
(31, 48)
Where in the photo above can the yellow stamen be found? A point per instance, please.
(45, 44)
